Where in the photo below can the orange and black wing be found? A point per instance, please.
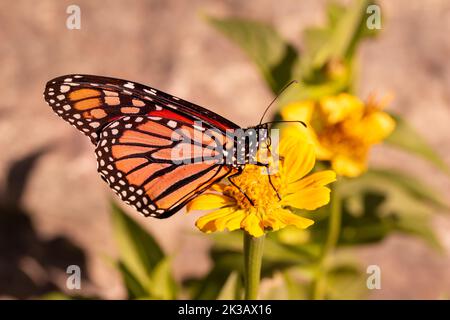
(157, 168)
(90, 103)
(136, 132)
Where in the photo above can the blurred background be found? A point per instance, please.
(55, 208)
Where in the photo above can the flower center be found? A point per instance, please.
(254, 182)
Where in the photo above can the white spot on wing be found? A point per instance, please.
(172, 124)
(129, 85)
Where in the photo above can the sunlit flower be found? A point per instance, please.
(232, 210)
(342, 128)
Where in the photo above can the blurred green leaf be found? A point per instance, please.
(346, 281)
(406, 137)
(274, 250)
(411, 185)
(227, 257)
(55, 296)
(163, 285)
(344, 32)
(284, 285)
(134, 289)
(64, 296)
(305, 91)
(139, 252)
(296, 290)
(374, 207)
(210, 286)
(328, 66)
(232, 289)
(273, 56)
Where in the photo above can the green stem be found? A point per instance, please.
(334, 229)
(253, 251)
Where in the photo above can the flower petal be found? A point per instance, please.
(285, 217)
(317, 179)
(253, 225)
(308, 198)
(207, 223)
(296, 111)
(377, 125)
(209, 201)
(231, 221)
(299, 158)
(349, 166)
(340, 107)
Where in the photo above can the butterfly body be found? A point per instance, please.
(156, 151)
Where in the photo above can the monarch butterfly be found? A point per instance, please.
(133, 128)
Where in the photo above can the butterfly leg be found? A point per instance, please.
(271, 183)
(266, 165)
(236, 186)
(269, 143)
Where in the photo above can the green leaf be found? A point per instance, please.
(139, 252)
(315, 91)
(62, 296)
(134, 289)
(406, 138)
(345, 29)
(411, 185)
(329, 50)
(163, 285)
(232, 289)
(227, 257)
(296, 290)
(374, 207)
(55, 296)
(346, 281)
(273, 56)
(210, 286)
(274, 250)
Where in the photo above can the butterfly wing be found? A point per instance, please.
(136, 130)
(157, 168)
(89, 103)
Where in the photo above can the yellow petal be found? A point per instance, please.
(299, 158)
(209, 201)
(253, 225)
(288, 218)
(340, 107)
(207, 222)
(298, 111)
(308, 198)
(317, 179)
(349, 166)
(270, 221)
(231, 221)
(378, 126)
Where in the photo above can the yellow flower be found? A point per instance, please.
(232, 210)
(342, 128)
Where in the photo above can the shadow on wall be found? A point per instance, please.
(29, 263)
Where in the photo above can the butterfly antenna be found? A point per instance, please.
(275, 99)
(288, 121)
